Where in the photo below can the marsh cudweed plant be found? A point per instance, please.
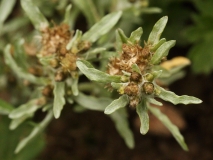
(135, 69)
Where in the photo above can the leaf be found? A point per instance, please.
(59, 100)
(175, 99)
(74, 40)
(6, 7)
(95, 75)
(141, 110)
(154, 101)
(121, 102)
(162, 51)
(121, 123)
(67, 15)
(19, 71)
(5, 108)
(136, 68)
(74, 85)
(157, 30)
(93, 53)
(171, 127)
(25, 109)
(135, 36)
(89, 10)
(92, 103)
(155, 47)
(34, 14)
(122, 36)
(17, 121)
(37, 129)
(102, 27)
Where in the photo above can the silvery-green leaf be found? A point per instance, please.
(117, 85)
(171, 127)
(74, 85)
(5, 108)
(19, 71)
(59, 100)
(6, 7)
(135, 36)
(17, 121)
(34, 14)
(102, 27)
(25, 109)
(136, 68)
(92, 103)
(155, 47)
(174, 77)
(157, 30)
(92, 54)
(121, 102)
(108, 54)
(162, 51)
(123, 37)
(37, 129)
(74, 40)
(154, 101)
(121, 123)
(89, 10)
(46, 107)
(151, 10)
(175, 99)
(141, 110)
(95, 75)
(67, 15)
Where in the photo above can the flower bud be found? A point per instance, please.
(148, 88)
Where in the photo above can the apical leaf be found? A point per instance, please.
(155, 47)
(59, 100)
(162, 51)
(171, 127)
(34, 14)
(92, 103)
(121, 123)
(5, 108)
(136, 68)
(19, 71)
(74, 40)
(37, 129)
(102, 27)
(135, 36)
(25, 109)
(121, 102)
(157, 30)
(154, 101)
(67, 15)
(121, 35)
(141, 110)
(175, 99)
(95, 75)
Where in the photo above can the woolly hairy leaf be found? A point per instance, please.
(59, 100)
(121, 102)
(162, 51)
(34, 14)
(17, 121)
(175, 99)
(155, 47)
(157, 30)
(95, 75)
(74, 40)
(141, 110)
(135, 36)
(102, 27)
(171, 127)
(136, 68)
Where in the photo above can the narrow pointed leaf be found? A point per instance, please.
(162, 51)
(92, 54)
(141, 110)
(67, 15)
(92, 103)
(155, 47)
(74, 40)
(17, 121)
(136, 68)
(135, 36)
(121, 102)
(154, 101)
(74, 85)
(37, 129)
(25, 109)
(102, 27)
(59, 100)
(95, 75)
(34, 14)
(121, 123)
(123, 37)
(171, 127)
(157, 30)
(5, 108)
(175, 99)
(19, 71)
